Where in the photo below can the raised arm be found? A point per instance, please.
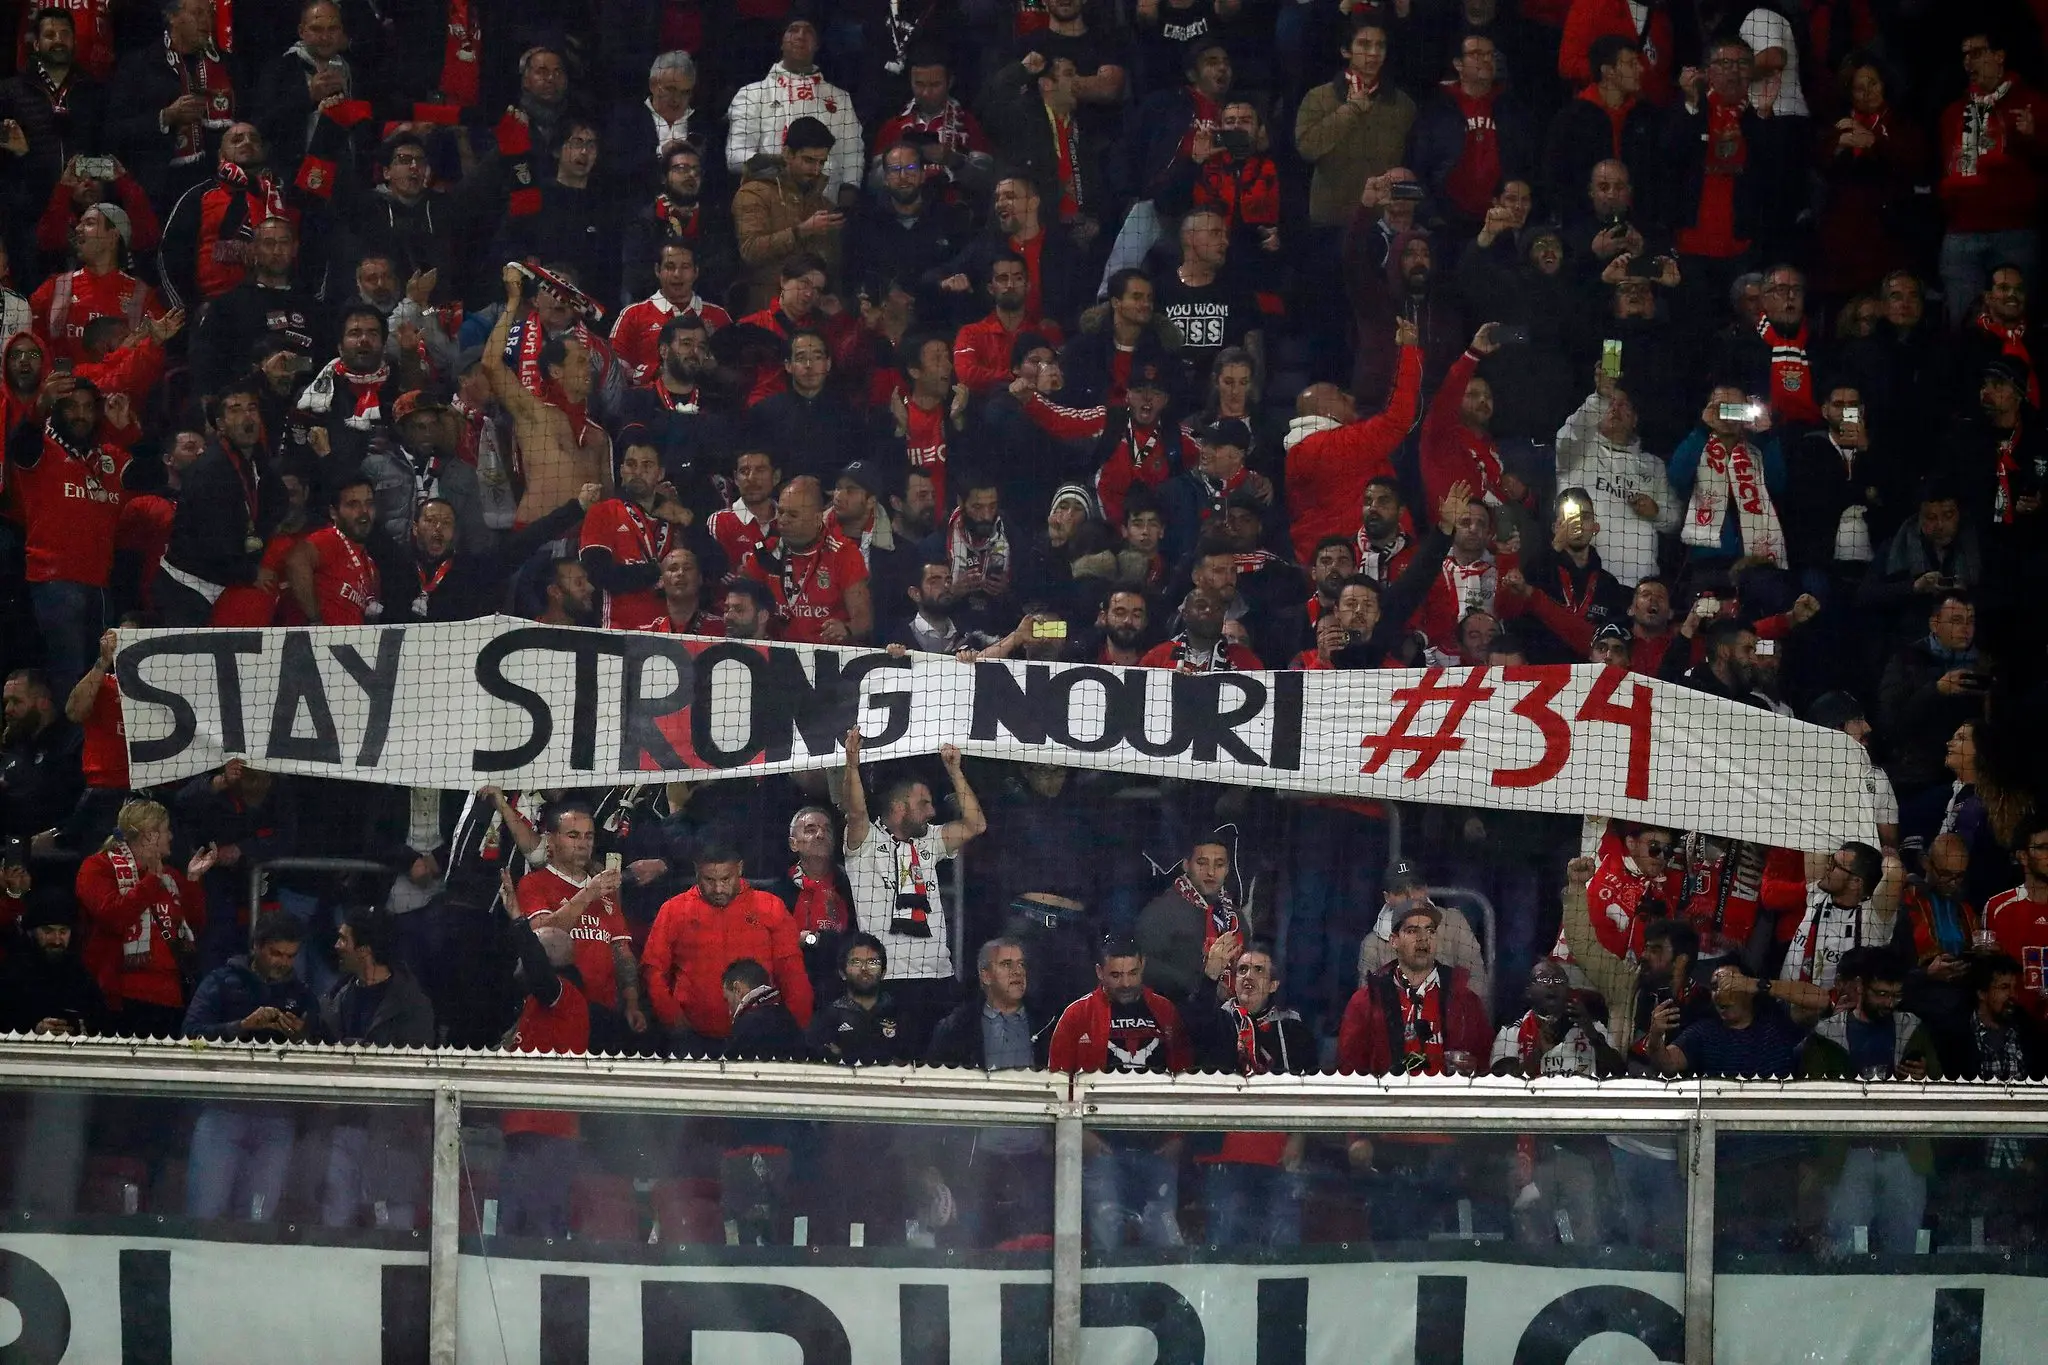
(972, 824)
(78, 706)
(523, 405)
(855, 797)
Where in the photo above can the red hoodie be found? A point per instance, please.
(1327, 470)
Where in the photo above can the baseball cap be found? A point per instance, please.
(868, 475)
(1146, 374)
(1834, 709)
(417, 400)
(1231, 431)
(118, 216)
(1611, 631)
(2009, 368)
(1403, 875)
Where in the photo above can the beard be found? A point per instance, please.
(1379, 528)
(1124, 637)
(22, 730)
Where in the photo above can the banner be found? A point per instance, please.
(522, 705)
(111, 1300)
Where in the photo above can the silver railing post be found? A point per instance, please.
(443, 1248)
(1699, 1243)
(1068, 1219)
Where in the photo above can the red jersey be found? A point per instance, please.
(2021, 927)
(1180, 656)
(1622, 901)
(563, 1029)
(738, 531)
(131, 922)
(144, 529)
(925, 445)
(981, 350)
(620, 531)
(809, 586)
(705, 622)
(66, 303)
(70, 503)
(636, 336)
(345, 581)
(105, 755)
(600, 926)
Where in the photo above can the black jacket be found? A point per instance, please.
(1284, 1043)
(1581, 137)
(477, 582)
(34, 988)
(1956, 1041)
(231, 993)
(1759, 190)
(403, 1018)
(845, 1032)
(818, 436)
(957, 1040)
(143, 86)
(1818, 489)
(211, 526)
(230, 326)
(53, 138)
(1065, 285)
(765, 1031)
(575, 227)
(41, 778)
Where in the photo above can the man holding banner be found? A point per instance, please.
(892, 863)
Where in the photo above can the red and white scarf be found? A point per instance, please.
(264, 187)
(677, 222)
(1731, 471)
(1219, 917)
(987, 556)
(137, 948)
(460, 66)
(2002, 509)
(1791, 372)
(358, 397)
(1981, 139)
(204, 75)
(1375, 563)
(818, 902)
(1422, 1024)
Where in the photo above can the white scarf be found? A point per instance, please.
(1727, 471)
(1979, 114)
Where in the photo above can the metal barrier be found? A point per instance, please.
(1701, 1110)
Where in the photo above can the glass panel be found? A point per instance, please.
(1867, 1247)
(604, 1230)
(131, 1225)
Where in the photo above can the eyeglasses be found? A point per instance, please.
(864, 962)
(914, 168)
(1655, 849)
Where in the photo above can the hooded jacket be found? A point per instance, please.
(1365, 1041)
(693, 942)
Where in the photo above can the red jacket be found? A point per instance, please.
(1081, 1041)
(1452, 451)
(693, 942)
(1999, 190)
(1365, 1044)
(1327, 471)
(126, 932)
(981, 350)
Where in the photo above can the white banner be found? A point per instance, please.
(529, 706)
(98, 1300)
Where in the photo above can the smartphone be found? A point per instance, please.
(1852, 412)
(1740, 412)
(1236, 141)
(1409, 191)
(1048, 630)
(614, 862)
(1766, 649)
(1510, 334)
(1707, 606)
(1610, 358)
(96, 167)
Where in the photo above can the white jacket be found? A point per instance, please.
(1612, 475)
(762, 112)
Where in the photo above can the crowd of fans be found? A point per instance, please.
(1680, 338)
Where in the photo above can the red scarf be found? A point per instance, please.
(1354, 83)
(1727, 149)
(1249, 1060)
(205, 75)
(264, 187)
(818, 903)
(1874, 124)
(1791, 373)
(360, 394)
(651, 533)
(459, 57)
(1422, 1024)
(2002, 508)
(2013, 342)
(1219, 917)
(677, 223)
(1066, 140)
(1204, 116)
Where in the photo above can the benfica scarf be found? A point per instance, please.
(2013, 342)
(523, 348)
(1877, 125)
(1472, 585)
(1727, 149)
(1980, 140)
(947, 126)
(1214, 491)
(1422, 1023)
(678, 222)
(1375, 563)
(459, 56)
(138, 948)
(1187, 658)
(205, 75)
(761, 997)
(2002, 508)
(263, 188)
(1355, 83)
(1220, 916)
(989, 555)
(358, 398)
(819, 906)
(1066, 146)
(912, 912)
(1731, 471)
(1791, 372)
